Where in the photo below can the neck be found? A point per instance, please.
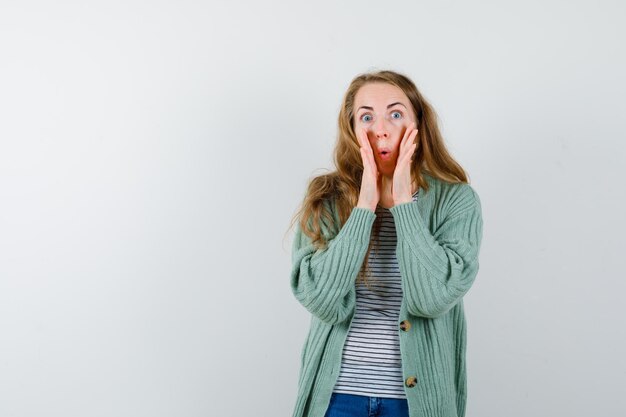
(386, 196)
(387, 182)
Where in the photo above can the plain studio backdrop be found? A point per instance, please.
(153, 153)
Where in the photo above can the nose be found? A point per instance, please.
(380, 130)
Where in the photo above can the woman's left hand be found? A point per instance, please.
(401, 188)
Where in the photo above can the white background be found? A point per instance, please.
(152, 154)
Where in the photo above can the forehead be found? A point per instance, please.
(379, 94)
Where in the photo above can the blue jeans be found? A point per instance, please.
(350, 405)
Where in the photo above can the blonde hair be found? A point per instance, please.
(341, 187)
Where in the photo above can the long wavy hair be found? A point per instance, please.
(340, 188)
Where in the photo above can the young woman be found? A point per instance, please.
(384, 250)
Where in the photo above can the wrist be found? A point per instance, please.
(402, 201)
(365, 206)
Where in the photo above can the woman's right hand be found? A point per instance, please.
(371, 180)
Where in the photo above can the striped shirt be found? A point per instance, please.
(371, 363)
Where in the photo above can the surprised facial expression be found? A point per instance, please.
(385, 112)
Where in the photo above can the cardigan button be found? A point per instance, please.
(405, 325)
(411, 381)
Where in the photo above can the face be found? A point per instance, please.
(385, 112)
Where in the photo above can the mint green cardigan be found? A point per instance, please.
(438, 245)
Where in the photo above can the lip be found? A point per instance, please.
(386, 155)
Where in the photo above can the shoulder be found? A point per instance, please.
(453, 198)
(329, 219)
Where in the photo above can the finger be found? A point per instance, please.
(372, 163)
(403, 141)
(363, 148)
(407, 155)
(364, 159)
(366, 141)
(359, 136)
(411, 129)
(411, 142)
(414, 135)
(368, 165)
(410, 139)
(367, 169)
(411, 149)
(368, 149)
(407, 135)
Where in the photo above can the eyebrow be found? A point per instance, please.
(391, 105)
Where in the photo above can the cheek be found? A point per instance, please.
(399, 135)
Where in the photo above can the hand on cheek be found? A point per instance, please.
(369, 193)
(401, 187)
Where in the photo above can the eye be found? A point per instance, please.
(363, 118)
(398, 113)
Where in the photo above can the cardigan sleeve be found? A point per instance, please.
(438, 269)
(323, 280)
